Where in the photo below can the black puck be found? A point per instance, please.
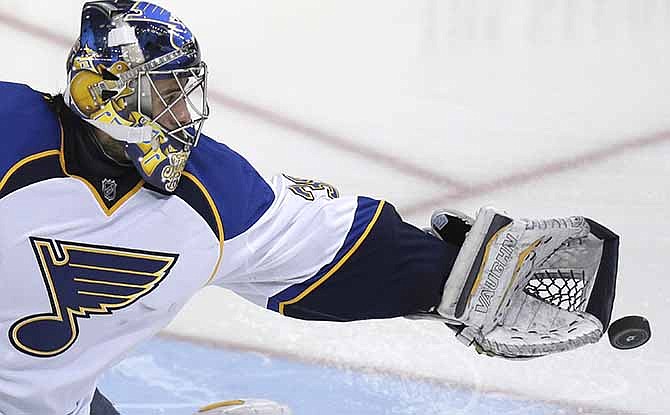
(629, 332)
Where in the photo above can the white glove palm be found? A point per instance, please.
(520, 288)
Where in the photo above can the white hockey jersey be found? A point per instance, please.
(92, 265)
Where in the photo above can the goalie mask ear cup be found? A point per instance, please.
(602, 297)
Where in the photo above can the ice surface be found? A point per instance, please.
(541, 107)
(176, 378)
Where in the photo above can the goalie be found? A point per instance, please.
(117, 209)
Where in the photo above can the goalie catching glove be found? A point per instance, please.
(526, 288)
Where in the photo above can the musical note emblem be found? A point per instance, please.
(84, 280)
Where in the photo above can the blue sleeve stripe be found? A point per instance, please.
(366, 216)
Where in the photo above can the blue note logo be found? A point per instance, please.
(81, 281)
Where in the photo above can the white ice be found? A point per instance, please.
(541, 107)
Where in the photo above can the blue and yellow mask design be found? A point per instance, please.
(136, 74)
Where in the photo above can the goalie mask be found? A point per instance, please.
(136, 74)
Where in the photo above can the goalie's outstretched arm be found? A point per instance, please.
(316, 256)
(396, 270)
(511, 287)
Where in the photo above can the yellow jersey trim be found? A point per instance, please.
(218, 405)
(217, 217)
(339, 264)
(25, 161)
(94, 191)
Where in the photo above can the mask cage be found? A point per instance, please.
(181, 112)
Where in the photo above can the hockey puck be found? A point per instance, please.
(629, 332)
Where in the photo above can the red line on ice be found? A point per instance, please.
(35, 30)
(459, 190)
(541, 171)
(347, 145)
(316, 134)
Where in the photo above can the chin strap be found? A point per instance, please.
(118, 132)
(123, 133)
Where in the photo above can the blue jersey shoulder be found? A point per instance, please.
(29, 127)
(240, 194)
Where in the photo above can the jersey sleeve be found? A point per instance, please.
(314, 255)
